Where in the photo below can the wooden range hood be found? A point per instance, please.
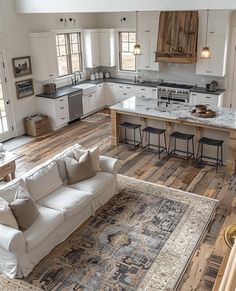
(177, 37)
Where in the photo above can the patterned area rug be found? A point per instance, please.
(96, 117)
(142, 239)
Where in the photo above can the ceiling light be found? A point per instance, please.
(137, 48)
(206, 54)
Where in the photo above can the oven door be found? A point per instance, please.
(177, 99)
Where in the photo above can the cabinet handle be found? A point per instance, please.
(143, 89)
(124, 93)
(194, 94)
(207, 97)
(120, 86)
(147, 66)
(62, 107)
(128, 87)
(50, 75)
(61, 100)
(154, 90)
(63, 118)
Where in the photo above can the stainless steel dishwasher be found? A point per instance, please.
(75, 105)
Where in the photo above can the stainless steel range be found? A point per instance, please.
(174, 92)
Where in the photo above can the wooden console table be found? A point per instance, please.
(8, 166)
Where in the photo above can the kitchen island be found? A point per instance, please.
(177, 117)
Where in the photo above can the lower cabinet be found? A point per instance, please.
(101, 96)
(111, 93)
(207, 99)
(55, 109)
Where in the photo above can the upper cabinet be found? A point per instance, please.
(217, 40)
(147, 31)
(99, 46)
(177, 37)
(44, 56)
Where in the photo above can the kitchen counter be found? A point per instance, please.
(69, 89)
(177, 116)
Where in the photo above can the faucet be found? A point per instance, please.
(74, 79)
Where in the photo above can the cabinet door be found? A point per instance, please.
(107, 48)
(95, 49)
(92, 101)
(44, 56)
(100, 96)
(194, 98)
(208, 99)
(111, 93)
(85, 104)
(91, 47)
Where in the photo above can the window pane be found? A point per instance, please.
(131, 47)
(125, 46)
(124, 36)
(62, 66)
(75, 59)
(62, 51)
(61, 39)
(4, 122)
(74, 49)
(2, 108)
(128, 62)
(132, 37)
(73, 38)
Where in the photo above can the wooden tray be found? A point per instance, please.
(209, 114)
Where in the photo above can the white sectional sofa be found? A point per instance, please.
(60, 212)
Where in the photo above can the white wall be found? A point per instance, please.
(15, 30)
(34, 6)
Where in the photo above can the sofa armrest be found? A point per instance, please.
(109, 165)
(11, 239)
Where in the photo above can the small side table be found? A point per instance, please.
(8, 166)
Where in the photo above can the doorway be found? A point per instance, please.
(6, 129)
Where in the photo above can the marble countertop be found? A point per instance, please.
(176, 111)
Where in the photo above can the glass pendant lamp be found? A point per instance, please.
(206, 53)
(137, 48)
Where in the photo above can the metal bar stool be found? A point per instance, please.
(152, 130)
(132, 126)
(182, 136)
(211, 142)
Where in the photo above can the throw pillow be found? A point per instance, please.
(6, 215)
(24, 209)
(62, 164)
(8, 191)
(44, 181)
(94, 153)
(79, 170)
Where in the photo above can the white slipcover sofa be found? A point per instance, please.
(60, 212)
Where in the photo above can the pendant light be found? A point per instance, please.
(137, 48)
(206, 53)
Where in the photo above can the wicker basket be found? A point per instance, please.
(36, 125)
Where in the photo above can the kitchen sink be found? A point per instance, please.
(84, 86)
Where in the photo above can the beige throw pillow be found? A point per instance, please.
(6, 215)
(79, 170)
(94, 153)
(44, 181)
(24, 209)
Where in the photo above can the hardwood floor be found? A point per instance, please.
(145, 165)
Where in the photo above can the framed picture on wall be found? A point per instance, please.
(22, 66)
(24, 88)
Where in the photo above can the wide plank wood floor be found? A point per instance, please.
(145, 165)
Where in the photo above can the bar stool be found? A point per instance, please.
(211, 142)
(182, 136)
(152, 130)
(132, 126)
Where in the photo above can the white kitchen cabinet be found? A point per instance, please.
(91, 48)
(55, 109)
(107, 47)
(111, 93)
(206, 99)
(89, 103)
(99, 47)
(148, 23)
(101, 97)
(149, 92)
(85, 102)
(217, 41)
(44, 56)
(126, 91)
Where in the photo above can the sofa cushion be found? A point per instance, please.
(6, 215)
(24, 209)
(66, 200)
(95, 185)
(8, 192)
(79, 170)
(47, 221)
(44, 181)
(62, 164)
(94, 154)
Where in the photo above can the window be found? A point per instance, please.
(69, 54)
(126, 43)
